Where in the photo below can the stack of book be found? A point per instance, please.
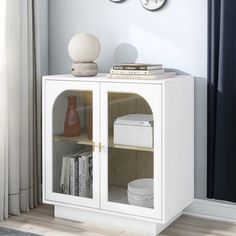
(139, 71)
(77, 174)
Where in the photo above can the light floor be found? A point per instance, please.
(41, 221)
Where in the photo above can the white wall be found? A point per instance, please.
(175, 36)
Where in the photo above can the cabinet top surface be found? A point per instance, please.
(103, 78)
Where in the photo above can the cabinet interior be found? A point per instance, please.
(125, 163)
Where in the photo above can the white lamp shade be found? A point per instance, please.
(84, 48)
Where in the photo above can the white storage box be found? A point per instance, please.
(134, 130)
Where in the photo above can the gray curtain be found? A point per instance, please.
(20, 147)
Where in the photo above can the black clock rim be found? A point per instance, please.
(165, 1)
(117, 2)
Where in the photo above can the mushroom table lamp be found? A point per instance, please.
(84, 49)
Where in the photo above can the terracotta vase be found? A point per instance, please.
(89, 123)
(72, 121)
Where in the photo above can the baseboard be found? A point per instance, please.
(212, 210)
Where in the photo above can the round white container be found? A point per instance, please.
(140, 198)
(141, 187)
(141, 203)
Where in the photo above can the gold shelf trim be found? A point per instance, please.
(83, 140)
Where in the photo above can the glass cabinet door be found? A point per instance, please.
(72, 115)
(131, 156)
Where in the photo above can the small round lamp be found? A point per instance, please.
(84, 49)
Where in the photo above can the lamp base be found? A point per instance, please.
(84, 69)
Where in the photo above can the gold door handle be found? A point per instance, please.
(99, 146)
(95, 146)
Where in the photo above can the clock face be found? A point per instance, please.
(153, 5)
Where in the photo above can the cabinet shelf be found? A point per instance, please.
(135, 148)
(83, 140)
(118, 195)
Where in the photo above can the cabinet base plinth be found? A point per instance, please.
(113, 222)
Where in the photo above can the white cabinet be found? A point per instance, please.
(170, 162)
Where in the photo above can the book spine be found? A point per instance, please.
(129, 68)
(85, 184)
(79, 176)
(63, 170)
(76, 178)
(67, 177)
(89, 176)
(137, 72)
(86, 175)
(72, 176)
(82, 187)
(137, 68)
(143, 77)
(90, 169)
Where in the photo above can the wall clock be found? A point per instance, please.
(153, 5)
(116, 0)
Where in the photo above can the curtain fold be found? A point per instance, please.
(3, 117)
(221, 100)
(13, 58)
(20, 146)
